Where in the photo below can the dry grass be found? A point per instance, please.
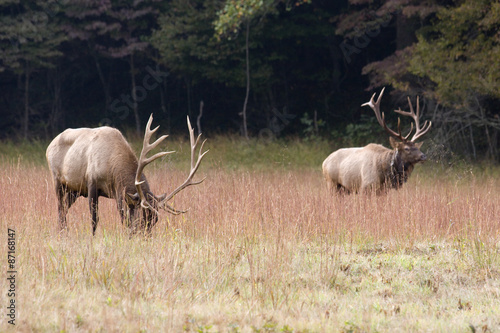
(260, 251)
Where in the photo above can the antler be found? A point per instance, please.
(143, 160)
(194, 167)
(416, 117)
(381, 119)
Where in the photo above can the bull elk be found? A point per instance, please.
(375, 167)
(94, 162)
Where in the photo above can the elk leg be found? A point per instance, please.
(342, 190)
(119, 205)
(65, 199)
(329, 185)
(62, 206)
(123, 207)
(149, 226)
(93, 205)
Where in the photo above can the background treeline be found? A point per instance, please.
(259, 68)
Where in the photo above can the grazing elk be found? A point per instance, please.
(93, 162)
(375, 167)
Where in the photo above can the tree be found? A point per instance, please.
(188, 45)
(86, 21)
(293, 68)
(30, 40)
(241, 12)
(453, 63)
(458, 58)
(114, 29)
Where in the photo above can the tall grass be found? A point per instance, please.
(263, 248)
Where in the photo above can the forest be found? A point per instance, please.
(259, 69)
(261, 244)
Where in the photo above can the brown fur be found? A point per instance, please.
(97, 162)
(373, 167)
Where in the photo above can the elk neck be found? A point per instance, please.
(124, 174)
(399, 170)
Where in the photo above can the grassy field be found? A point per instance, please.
(263, 248)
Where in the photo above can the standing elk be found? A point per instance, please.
(375, 167)
(94, 162)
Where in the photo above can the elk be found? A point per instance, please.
(94, 162)
(375, 167)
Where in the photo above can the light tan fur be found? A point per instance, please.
(353, 169)
(101, 155)
(371, 168)
(375, 167)
(94, 162)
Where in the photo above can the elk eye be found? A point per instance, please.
(407, 149)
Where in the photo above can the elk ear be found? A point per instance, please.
(394, 143)
(418, 144)
(132, 199)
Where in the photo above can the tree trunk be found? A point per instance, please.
(105, 85)
(56, 118)
(491, 152)
(472, 143)
(134, 97)
(247, 60)
(198, 119)
(166, 107)
(188, 94)
(26, 119)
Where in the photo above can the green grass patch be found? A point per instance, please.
(226, 152)
(26, 152)
(234, 153)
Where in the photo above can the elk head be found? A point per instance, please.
(407, 151)
(144, 205)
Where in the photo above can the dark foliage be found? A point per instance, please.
(76, 63)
